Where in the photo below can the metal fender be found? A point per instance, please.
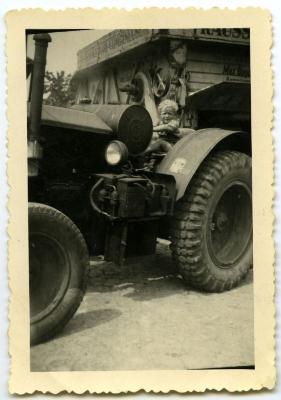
(183, 160)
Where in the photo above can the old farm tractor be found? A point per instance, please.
(157, 145)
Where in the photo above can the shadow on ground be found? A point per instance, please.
(144, 279)
(146, 288)
(87, 320)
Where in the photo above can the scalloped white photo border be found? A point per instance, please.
(21, 379)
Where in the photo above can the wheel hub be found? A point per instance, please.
(221, 221)
(231, 225)
(48, 275)
(34, 268)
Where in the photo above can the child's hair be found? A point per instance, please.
(168, 104)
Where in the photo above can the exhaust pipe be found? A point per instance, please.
(37, 90)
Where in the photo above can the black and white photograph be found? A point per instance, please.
(140, 204)
(141, 172)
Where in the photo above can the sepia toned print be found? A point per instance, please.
(141, 205)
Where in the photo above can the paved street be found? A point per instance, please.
(144, 317)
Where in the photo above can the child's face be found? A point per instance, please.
(167, 115)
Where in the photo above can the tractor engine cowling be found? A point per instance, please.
(131, 124)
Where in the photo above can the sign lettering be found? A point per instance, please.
(229, 34)
(122, 40)
(111, 45)
(236, 70)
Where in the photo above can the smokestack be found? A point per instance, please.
(39, 65)
(37, 90)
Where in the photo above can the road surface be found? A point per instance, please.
(143, 316)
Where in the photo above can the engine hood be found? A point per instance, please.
(70, 118)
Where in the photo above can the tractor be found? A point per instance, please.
(95, 189)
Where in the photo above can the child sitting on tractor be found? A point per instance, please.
(167, 132)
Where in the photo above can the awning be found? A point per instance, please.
(225, 96)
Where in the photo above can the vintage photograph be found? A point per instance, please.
(140, 199)
(141, 184)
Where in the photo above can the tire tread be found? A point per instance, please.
(41, 211)
(188, 219)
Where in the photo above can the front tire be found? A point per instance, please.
(212, 227)
(58, 265)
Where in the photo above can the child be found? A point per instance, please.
(167, 132)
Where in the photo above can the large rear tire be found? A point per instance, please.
(58, 265)
(212, 226)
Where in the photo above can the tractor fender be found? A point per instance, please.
(183, 160)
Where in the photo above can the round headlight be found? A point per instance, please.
(116, 153)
